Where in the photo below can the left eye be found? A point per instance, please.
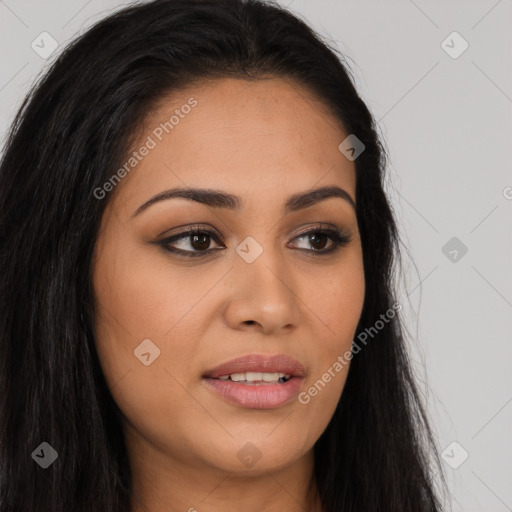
(319, 237)
(196, 242)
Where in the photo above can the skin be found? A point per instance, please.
(263, 141)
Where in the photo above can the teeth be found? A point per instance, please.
(237, 377)
(255, 377)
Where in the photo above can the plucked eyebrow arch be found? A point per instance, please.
(221, 199)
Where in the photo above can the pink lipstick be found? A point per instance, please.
(257, 381)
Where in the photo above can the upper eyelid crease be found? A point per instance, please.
(190, 230)
(219, 199)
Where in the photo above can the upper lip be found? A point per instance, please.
(279, 363)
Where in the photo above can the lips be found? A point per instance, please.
(259, 363)
(260, 394)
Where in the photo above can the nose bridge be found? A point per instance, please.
(261, 259)
(263, 284)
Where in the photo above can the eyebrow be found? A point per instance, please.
(221, 199)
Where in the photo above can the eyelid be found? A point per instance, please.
(321, 226)
(187, 228)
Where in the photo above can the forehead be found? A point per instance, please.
(269, 137)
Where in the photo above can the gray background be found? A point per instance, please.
(447, 124)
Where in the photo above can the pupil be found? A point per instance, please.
(201, 246)
(316, 236)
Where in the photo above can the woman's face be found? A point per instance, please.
(253, 285)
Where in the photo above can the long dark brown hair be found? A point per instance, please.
(73, 130)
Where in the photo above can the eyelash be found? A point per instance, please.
(339, 238)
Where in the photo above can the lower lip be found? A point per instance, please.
(264, 396)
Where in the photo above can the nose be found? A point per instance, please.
(263, 295)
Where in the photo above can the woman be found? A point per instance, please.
(198, 307)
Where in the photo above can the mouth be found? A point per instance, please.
(256, 378)
(257, 381)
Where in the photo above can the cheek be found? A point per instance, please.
(137, 300)
(337, 305)
(140, 295)
(337, 301)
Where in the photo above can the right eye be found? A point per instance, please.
(195, 242)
